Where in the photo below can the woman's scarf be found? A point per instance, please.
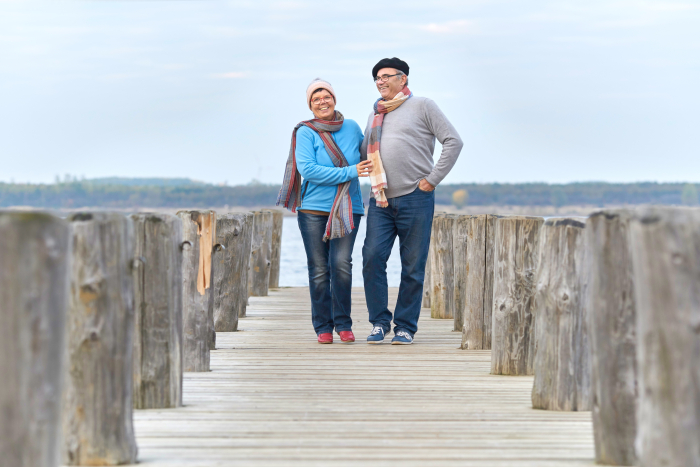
(377, 176)
(340, 222)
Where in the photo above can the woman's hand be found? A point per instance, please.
(364, 168)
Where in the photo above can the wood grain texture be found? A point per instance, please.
(197, 298)
(665, 245)
(613, 336)
(34, 271)
(293, 403)
(515, 266)
(247, 239)
(469, 277)
(442, 268)
(488, 280)
(97, 396)
(230, 270)
(276, 248)
(157, 277)
(561, 349)
(260, 254)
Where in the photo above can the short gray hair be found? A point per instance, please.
(400, 74)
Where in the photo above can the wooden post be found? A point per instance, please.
(244, 262)
(260, 254)
(612, 335)
(665, 245)
(97, 396)
(442, 269)
(488, 280)
(230, 270)
(276, 248)
(34, 271)
(157, 277)
(460, 253)
(561, 347)
(469, 268)
(198, 239)
(515, 266)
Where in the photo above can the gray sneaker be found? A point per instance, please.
(376, 336)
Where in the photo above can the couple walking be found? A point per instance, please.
(396, 153)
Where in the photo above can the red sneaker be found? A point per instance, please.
(346, 336)
(325, 338)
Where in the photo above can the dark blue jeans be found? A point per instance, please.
(409, 217)
(330, 273)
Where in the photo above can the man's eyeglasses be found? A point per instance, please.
(384, 78)
(318, 100)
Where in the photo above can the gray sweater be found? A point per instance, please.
(408, 142)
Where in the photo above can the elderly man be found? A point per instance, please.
(399, 140)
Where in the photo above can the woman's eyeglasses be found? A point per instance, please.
(318, 100)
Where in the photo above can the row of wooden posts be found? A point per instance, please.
(603, 311)
(102, 313)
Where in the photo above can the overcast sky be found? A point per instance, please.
(553, 91)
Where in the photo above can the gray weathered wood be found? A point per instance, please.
(515, 266)
(488, 279)
(97, 397)
(157, 279)
(260, 254)
(247, 239)
(198, 239)
(612, 336)
(276, 248)
(561, 350)
(665, 246)
(230, 270)
(442, 269)
(469, 274)
(34, 272)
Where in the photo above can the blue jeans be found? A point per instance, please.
(330, 273)
(410, 217)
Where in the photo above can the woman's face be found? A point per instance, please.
(323, 105)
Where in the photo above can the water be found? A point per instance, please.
(293, 270)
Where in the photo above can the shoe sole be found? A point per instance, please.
(326, 342)
(375, 342)
(401, 343)
(347, 342)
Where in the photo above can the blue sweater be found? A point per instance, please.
(321, 177)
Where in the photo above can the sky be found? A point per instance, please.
(539, 91)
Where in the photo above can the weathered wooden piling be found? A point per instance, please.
(230, 269)
(34, 271)
(198, 239)
(260, 254)
(612, 336)
(97, 395)
(276, 248)
(473, 278)
(561, 345)
(515, 265)
(246, 238)
(157, 277)
(665, 245)
(442, 268)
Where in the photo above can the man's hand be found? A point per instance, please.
(364, 168)
(423, 185)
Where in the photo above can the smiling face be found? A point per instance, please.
(323, 104)
(390, 88)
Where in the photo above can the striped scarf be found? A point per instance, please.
(340, 222)
(377, 176)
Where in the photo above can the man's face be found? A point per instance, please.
(390, 87)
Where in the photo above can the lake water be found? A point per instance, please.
(293, 270)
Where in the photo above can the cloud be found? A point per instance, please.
(230, 75)
(460, 26)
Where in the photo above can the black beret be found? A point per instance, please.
(390, 63)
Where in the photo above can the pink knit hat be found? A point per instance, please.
(318, 83)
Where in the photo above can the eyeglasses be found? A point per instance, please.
(318, 100)
(384, 78)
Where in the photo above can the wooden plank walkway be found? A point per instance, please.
(277, 398)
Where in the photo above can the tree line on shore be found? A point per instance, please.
(130, 193)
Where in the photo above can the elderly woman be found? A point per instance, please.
(325, 151)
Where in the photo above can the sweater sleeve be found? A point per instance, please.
(312, 171)
(365, 140)
(448, 137)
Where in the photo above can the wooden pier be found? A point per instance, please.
(274, 397)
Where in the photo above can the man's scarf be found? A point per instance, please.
(377, 176)
(340, 222)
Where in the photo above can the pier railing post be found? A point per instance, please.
(561, 361)
(97, 396)
(260, 254)
(515, 265)
(442, 268)
(665, 246)
(157, 276)
(612, 336)
(34, 272)
(199, 336)
(244, 261)
(276, 248)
